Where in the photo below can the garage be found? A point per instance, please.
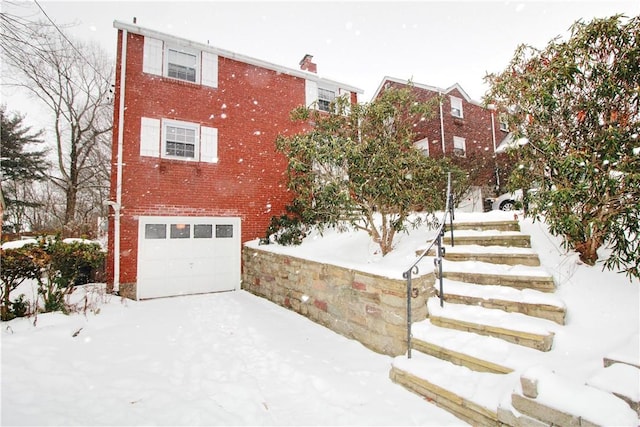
(187, 255)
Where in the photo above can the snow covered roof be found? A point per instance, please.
(136, 29)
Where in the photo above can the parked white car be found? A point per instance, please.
(506, 201)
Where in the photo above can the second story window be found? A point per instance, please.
(456, 106)
(459, 146)
(180, 141)
(182, 65)
(325, 98)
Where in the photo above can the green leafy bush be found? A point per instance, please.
(55, 265)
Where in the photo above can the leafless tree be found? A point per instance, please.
(74, 81)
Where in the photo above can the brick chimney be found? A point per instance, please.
(307, 65)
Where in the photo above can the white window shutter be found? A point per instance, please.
(152, 56)
(150, 137)
(311, 92)
(209, 69)
(345, 93)
(208, 144)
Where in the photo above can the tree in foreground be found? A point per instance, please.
(357, 165)
(577, 104)
(23, 163)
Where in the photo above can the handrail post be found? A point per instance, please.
(451, 214)
(407, 275)
(438, 262)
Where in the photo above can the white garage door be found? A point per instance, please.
(187, 255)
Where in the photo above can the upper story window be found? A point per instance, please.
(187, 64)
(325, 98)
(319, 95)
(456, 106)
(182, 65)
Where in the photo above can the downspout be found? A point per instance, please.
(118, 204)
(492, 108)
(441, 124)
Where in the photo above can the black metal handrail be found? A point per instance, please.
(437, 261)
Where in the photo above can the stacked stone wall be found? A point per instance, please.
(359, 305)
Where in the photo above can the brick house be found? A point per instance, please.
(461, 127)
(194, 167)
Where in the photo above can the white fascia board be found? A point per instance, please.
(132, 28)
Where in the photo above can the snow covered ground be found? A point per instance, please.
(236, 359)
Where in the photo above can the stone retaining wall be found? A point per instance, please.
(368, 308)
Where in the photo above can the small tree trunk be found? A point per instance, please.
(588, 250)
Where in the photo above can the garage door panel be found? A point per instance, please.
(203, 255)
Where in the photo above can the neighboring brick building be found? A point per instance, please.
(194, 167)
(460, 127)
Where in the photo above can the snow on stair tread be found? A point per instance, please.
(618, 378)
(629, 352)
(504, 293)
(490, 349)
(484, 389)
(480, 267)
(485, 233)
(488, 249)
(491, 317)
(472, 249)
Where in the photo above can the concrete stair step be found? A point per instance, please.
(482, 273)
(505, 238)
(512, 327)
(471, 396)
(620, 379)
(490, 254)
(526, 301)
(501, 225)
(477, 352)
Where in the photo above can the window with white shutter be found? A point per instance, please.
(179, 62)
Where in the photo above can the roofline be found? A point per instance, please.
(427, 87)
(136, 29)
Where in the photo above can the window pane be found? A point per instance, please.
(224, 231)
(155, 231)
(180, 231)
(202, 231)
(182, 65)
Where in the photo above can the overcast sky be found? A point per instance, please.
(436, 43)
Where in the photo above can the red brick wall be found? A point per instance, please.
(249, 108)
(474, 126)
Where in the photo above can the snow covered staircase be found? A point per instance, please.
(499, 317)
